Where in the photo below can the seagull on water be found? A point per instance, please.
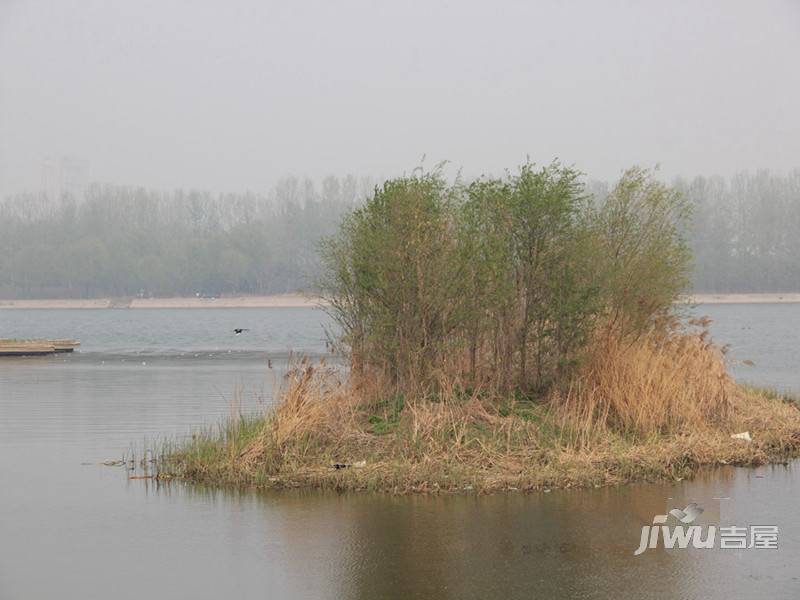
(239, 330)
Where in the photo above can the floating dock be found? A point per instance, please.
(36, 347)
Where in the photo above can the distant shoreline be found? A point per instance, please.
(761, 298)
(272, 301)
(310, 301)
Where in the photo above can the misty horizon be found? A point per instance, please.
(194, 96)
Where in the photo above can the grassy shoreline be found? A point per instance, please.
(511, 449)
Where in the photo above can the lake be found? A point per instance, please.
(71, 528)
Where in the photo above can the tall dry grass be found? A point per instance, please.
(664, 381)
(656, 384)
(300, 420)
(652, 407)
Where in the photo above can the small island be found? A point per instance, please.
(504, 334)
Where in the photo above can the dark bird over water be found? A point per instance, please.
(239, 330)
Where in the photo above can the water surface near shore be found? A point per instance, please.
(76, 530)
(174, 332)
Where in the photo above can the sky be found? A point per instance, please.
(233, 95)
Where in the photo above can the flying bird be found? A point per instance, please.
(239, 330)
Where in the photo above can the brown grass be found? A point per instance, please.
(655, 408)
(659, 383)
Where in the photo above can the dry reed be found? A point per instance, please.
(657, 407)
(657, 383)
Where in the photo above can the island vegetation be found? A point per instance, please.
(504, 333)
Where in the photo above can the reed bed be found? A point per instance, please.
(657, 408)
(659, 382)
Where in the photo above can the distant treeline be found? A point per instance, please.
(121, 241)
(746, 232)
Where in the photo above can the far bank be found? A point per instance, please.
(298, 300)
(295, 300)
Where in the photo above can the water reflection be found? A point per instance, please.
(562, 544)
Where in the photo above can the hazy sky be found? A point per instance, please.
(231, 95)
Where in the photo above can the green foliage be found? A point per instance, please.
(644, 258)
(525, 240)
(389, 418)
(500, 283)
(391, 278)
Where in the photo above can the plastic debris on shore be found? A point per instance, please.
(357, 465)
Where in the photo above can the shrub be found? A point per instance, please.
(391, 279)
(501, 284)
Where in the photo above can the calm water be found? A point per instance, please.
(75, 530)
